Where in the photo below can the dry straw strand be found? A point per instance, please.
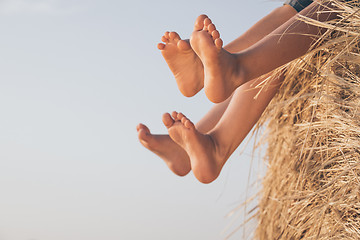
(312, 131)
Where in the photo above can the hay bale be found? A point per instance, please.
(312, 186)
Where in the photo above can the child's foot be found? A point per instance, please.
(222, 74)
(162, 145)
(201, 148)
(183, 61)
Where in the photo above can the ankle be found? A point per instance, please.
(248, 67)
(221, 151)
(241, 69)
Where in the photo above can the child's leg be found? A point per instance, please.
(209, 152)
(225, 71)
(187, 66)
(176, 52)
(173, 154)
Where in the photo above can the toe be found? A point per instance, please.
(215, 34)
(184, 45)
(188, 124)
(174, 36)
(161, 46)
(183, 120)
(164, 39)
(143, 127)
(207, 22)
(167, 35)
(174, 115)
(167, 120)
(199, 23)
(211, 27)
(218, 43)
(144, 134)
(180, 116)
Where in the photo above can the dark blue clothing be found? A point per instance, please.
(299, 5)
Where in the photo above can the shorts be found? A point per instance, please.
(299, 5)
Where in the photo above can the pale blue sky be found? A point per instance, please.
(76, 77)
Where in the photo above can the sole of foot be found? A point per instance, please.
(200, 147)
(221, 68)
(173, 155)
(183, 61)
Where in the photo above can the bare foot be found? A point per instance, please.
(201, 148)
(162, 145)
(222, 73)
(183, 61)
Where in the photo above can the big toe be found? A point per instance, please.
(199, 23)
(143, 136)
(167, 120)
(143, 132)
(142, 127)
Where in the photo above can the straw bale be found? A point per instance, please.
(312, 186)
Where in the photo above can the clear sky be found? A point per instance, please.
(76, 77)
